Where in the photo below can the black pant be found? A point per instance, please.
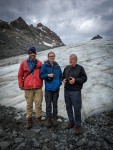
(73, 100)
(51, 98)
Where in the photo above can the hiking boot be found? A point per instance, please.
(39, 120)
(54, 121)
(69, 126)
(29, 123)
(48, 123)
(77, 130)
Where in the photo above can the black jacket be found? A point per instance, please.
(76, 72)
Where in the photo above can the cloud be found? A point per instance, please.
(73, 20)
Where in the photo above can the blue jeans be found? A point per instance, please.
(73, 101)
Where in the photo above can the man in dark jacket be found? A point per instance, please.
(73, 77)
(52, 74)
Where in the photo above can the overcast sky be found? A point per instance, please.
(73, 20)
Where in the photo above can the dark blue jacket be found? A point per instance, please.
(55, 83)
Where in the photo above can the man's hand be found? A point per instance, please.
(72, 81)
(64, 81)
(50, 75)
(22, 88)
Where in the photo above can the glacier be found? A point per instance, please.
(95, 56)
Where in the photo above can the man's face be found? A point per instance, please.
(32, 55)
(51, 57)
(72, 61)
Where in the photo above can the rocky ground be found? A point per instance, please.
(97, 133)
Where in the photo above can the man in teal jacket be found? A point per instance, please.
(52, 74)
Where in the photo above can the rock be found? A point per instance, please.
(98, 144)
(71, 146)
(18, 140)
(15, 133)
(97, 37)
(60, 146)
(1, 131)
(37, 131)
(59, 120)
(81, 142)
(106, 147)
(90, 143)
(54, 137)
(90, 121)
(109, 140)
(47, 140)
(4, 145)
(4, 25)
(36, 144)
(20, 24)
(21, 146)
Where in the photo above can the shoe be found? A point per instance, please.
(54, 121)
(77, 130)
(48, 123)
(39, 120)
(69, 126)
(29, 123)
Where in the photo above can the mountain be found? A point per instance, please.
(97, 37)
(17, 36)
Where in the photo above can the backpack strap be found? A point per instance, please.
(36, 65)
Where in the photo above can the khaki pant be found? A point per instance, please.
(35, 95)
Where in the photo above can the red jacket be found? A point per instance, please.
(27, 80)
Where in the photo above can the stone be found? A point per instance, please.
(98, 144)
(60, 146)
(59, 120)
(37, 130)
(54, 137)
(36, 144)
(109, 140)
(15, 133)
(90, 143)
(81, 142)
(97, 37)
(21, 146)
(18, 140)
(1, 131)
(106, 147)
(4, 145)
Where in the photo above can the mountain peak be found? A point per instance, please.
(4, 25)
(97, 37)
(20, 24)
(39, 25)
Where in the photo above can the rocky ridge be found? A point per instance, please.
(97, 133)
(97, 37)
(17, 36)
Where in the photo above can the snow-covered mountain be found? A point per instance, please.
(17, 36)
(97, 59)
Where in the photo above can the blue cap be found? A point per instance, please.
(32, 50)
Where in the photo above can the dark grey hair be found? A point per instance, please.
(74, 56)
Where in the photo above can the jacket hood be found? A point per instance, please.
(48, 63)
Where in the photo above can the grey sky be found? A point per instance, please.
(73, 20)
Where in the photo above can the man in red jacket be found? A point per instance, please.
(30, 81)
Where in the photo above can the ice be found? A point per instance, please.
(97, 93)
(47, 44)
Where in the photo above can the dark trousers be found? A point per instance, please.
(51, 99)
(73, 102)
